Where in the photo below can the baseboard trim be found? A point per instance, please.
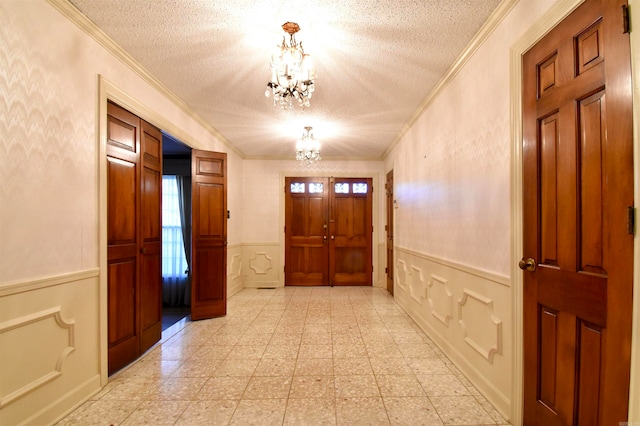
(55, 411)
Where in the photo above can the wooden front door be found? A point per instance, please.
(328, 231)
(306, 231)
(578, 186)
(134, 175)
(350, 230)
(389, 228)
(209, 234)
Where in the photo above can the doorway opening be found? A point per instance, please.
(176, 231)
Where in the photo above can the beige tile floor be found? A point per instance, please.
(293, 356)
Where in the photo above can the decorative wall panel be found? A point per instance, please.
(481, 328)
(234, 270)
(440, 299)
(261, 265)
(40, 361)
(402, 275)
(417, 286)
(474, 341)
(48, 351)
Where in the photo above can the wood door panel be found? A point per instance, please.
(209, 235)
(122, 300)
(122, 134)
(549, 190)
(151, 201)
(592, 149)
(211, 223)
(577, 174)
(122, 205)
(208, 274)
(151, 296)
(590, 360)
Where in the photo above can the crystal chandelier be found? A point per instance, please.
(308, 148)
(292, 72)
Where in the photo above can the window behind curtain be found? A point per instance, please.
(174, 263)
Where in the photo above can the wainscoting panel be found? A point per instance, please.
(440, 299)
(261, 265)
(234, 269)
(466, 312)
(49, 347)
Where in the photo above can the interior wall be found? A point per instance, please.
(452, 173)
(263, 213)
(52, 291)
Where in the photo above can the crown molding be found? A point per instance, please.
(483, 33)
(91, 29)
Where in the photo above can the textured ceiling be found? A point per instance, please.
(376, 62)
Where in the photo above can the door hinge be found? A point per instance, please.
(386, 270)
(626, 23)
(631, 220)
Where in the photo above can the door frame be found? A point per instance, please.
(549, 20)
(377, 277)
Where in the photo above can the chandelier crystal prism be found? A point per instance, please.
(292, 72)
(308, 148)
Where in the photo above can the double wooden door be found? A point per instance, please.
(134, 235)
(578, 242)
(328, 231)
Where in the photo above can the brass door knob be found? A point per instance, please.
(527, 264)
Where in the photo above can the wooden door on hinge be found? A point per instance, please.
(134, 172)
(350, 232)
(209, 234)
(578, 186)
(306, 231)
(151, 236)
(389, 228)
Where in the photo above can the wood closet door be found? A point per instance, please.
(209, 234)
(578, 185)
(151, 238)
(306, 231)
(123, 236)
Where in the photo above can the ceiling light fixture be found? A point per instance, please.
(292, 72)
(308, 148)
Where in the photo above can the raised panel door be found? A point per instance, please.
(577, 175)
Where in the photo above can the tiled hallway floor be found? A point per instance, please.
(293, 356)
